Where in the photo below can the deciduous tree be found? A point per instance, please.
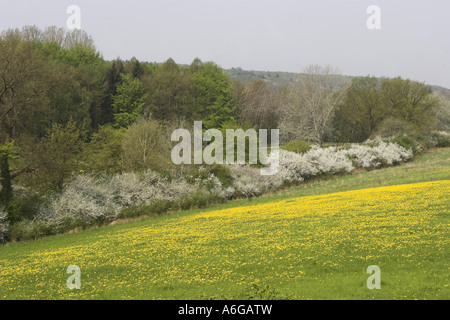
(313, 102)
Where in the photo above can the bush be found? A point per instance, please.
(394, 127)
(295, 167)
(366, 156)
(407, 142)
(203, 173)
(440, 139)
(23, 208)
(29, 230)
(89, 200)
(200, 199)
(104, 151)
(146, 146)
(328, 160)
(83, 202)
(157, 207)
(160, 206)
(248, 181)
(131, 189)
(297, 146)
(134, 212)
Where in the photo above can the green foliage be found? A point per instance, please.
(104, 150)
(77, 55)
(370, 101)
(204, 172)
(169, 92)
(443, 115)
(111, 80)
(407, 142)
(80, 55)
(160, 206)
(23, 208)
(157, 207)
(198, 92)
(134, 67)
(29, 230)
(69, 90)
(8, 151)
(198, 199)
(55, 157)
(222, 173)
(232, 125)
(145, 145)
(128, 103)
(361, 110)
(392, 127)
(297, 146)
(214, 95)
(439, 139)
(410, 101)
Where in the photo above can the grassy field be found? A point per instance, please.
(314, 241)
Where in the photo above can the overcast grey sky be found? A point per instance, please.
(282, 35)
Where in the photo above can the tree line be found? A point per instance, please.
(65, 109)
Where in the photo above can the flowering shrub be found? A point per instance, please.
(294, 167)
(249, 182)
(389, 153)
(3, 225)
(130, 189)
(88, 199)
(215, 188)
(83, 201)
(439, 139)
(328, 160)
(317, 161)
(208, 182)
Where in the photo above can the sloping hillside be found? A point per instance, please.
(316, 246)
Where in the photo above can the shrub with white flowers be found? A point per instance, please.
(130, 189)
(367, 156)
(248, 181)
(3, 225)
(87, 199)
(84, 200)
(297, 167)
(214, 187)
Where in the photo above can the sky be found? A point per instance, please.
(413, 40)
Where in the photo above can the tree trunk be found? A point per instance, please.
(320, 138)
(6, 193)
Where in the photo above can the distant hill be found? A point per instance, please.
(280, 79)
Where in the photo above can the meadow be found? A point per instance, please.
(313, 241)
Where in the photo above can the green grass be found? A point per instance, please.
(237, 250)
